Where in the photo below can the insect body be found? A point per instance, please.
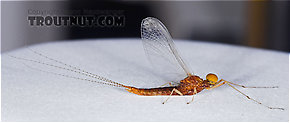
(162, 53)
(189, 86)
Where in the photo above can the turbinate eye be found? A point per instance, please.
(212, 77)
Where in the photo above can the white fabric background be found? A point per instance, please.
(31, 95)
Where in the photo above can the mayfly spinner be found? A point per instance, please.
(158, 46)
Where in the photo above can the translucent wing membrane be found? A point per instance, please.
(161, 51)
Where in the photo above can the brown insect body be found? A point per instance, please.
(186, 87)
(158, 46)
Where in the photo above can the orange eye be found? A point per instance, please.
(211, 77)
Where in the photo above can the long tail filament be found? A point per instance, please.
(71, 68)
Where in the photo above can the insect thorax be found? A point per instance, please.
(188, 84)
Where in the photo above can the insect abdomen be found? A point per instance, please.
(151, 91)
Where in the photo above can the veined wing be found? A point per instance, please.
(161, 51)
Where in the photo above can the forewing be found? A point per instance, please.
(161, 51)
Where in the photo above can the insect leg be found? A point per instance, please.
(169, 83)
(195, 92)
(252, 98)
(248, 86)
(217, 85)
(173, 90)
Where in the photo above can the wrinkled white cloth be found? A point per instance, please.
(33, 95)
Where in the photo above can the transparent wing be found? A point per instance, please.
(161, 51)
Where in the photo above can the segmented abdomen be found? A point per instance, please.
(151, 91)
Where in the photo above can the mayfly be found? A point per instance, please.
(159, 46)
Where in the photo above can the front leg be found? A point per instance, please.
(219, 83)
(243, 86)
